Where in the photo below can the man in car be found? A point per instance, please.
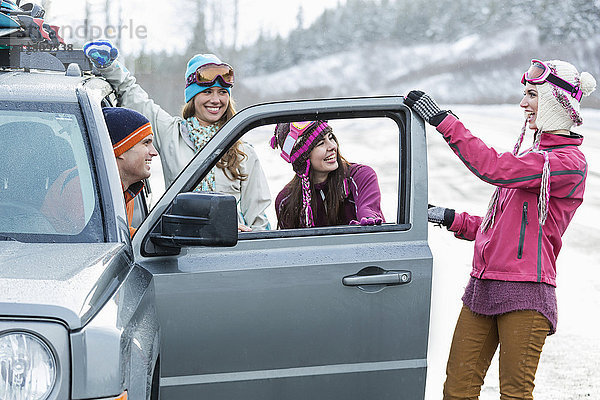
(132, 139)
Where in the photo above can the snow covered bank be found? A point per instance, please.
(477, 69)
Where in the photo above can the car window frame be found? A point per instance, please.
(115, 228)
(287, 111)
(401, 222)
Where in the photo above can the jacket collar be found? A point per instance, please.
(549, 140)
(132, 191)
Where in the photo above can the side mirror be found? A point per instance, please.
(199, 219)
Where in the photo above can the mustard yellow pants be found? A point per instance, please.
(521, 335)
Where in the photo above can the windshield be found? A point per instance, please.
(47, 189)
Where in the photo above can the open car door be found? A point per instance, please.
(332, 313)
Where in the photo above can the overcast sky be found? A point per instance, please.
(157, 24)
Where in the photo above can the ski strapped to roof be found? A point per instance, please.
(25, 25)
(57, 60)
(28, 42)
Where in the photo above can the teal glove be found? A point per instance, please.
(101, 53)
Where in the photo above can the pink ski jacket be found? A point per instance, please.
(516, 247)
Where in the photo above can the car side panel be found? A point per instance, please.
(380, 385)
(282, 317)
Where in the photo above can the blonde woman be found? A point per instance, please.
(209, 105)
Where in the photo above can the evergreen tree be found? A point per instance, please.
(362, 23)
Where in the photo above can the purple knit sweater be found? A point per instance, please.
(364, 197)
(491, 297)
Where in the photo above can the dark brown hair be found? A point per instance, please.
(231, 160)
(291, 211)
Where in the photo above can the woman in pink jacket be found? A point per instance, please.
(510, 298)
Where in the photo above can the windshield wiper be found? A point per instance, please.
(3, 237)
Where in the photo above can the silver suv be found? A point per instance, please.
(189, 308)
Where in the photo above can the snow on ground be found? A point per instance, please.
(570, 363)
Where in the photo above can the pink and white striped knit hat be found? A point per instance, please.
(296, 141)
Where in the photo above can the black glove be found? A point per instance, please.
(425, 107)
(440, 215)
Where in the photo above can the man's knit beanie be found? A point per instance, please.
(126, 128)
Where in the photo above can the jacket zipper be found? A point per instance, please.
(522, 234)
(484, 263)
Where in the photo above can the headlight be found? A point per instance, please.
(27, 367)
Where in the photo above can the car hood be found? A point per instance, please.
(69, 282)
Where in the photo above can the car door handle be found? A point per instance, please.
(382, 277)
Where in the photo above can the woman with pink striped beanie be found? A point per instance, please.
(326, 190)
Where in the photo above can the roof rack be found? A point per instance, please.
(57, 60)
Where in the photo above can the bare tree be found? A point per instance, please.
(107, 4)
(86, 19)
(217, 24)
(119, 22)
(198, 42)
(236, 4)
